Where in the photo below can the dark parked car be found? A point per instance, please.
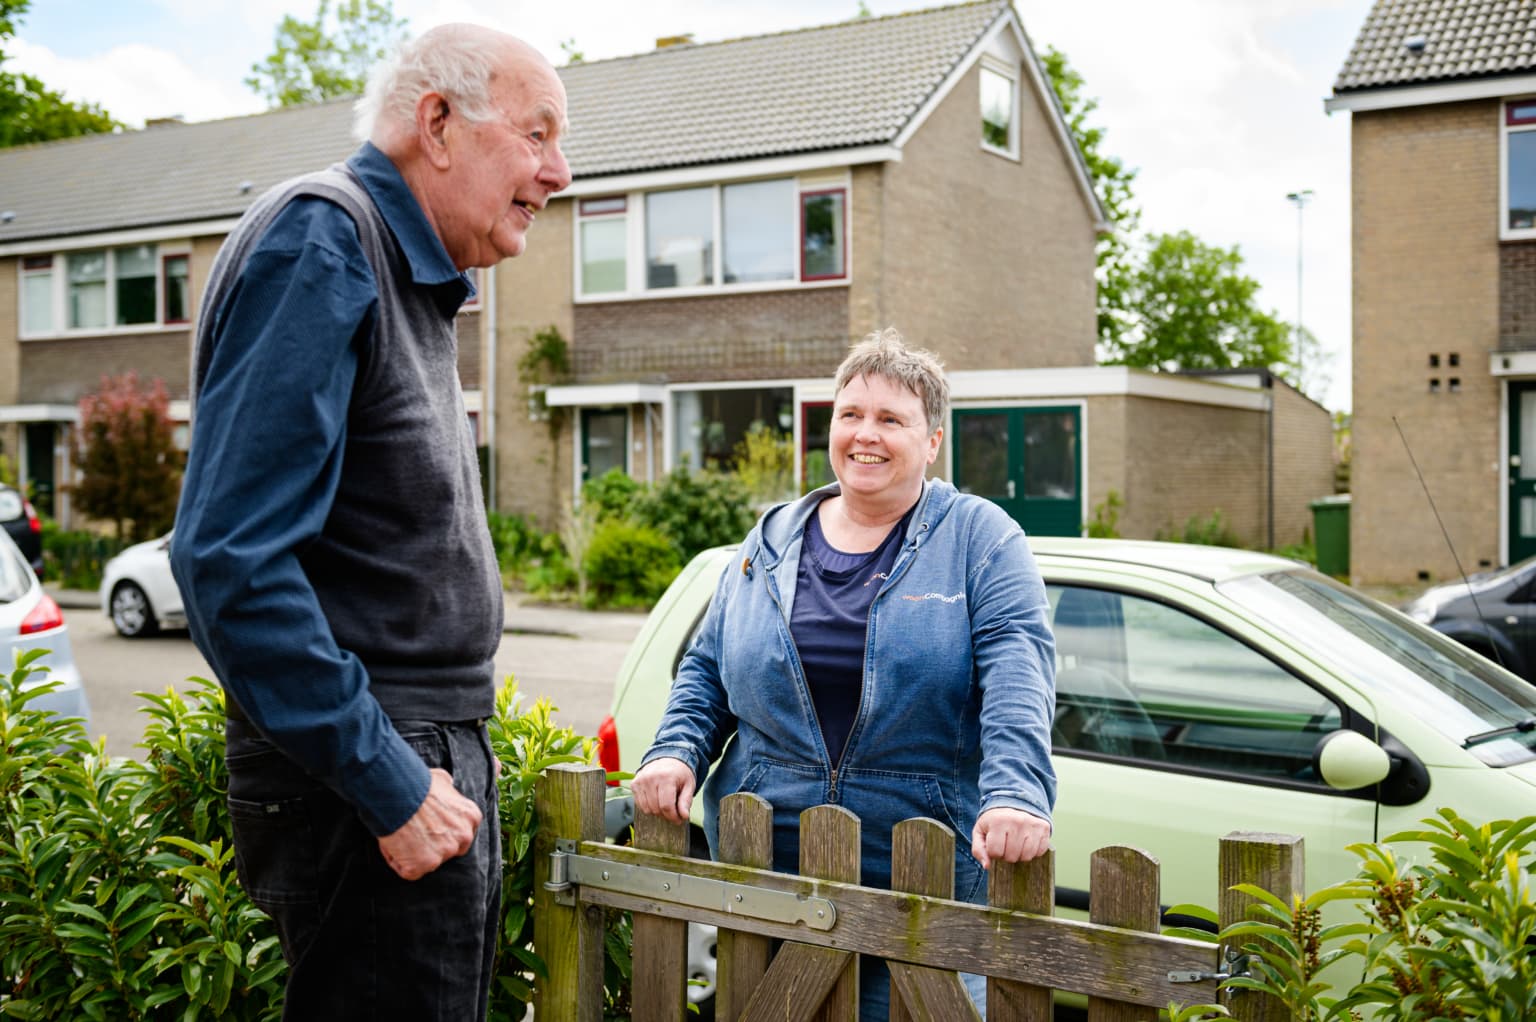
(1493, 613)
(22, 526)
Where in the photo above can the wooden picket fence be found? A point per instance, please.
(825, 920)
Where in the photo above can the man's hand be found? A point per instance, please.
(664, 787)
(1008, 835)
(442, 828)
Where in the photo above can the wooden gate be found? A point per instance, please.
(825, 920)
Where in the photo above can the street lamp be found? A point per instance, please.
(1300, 198)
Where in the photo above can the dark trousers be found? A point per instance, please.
(360, 942)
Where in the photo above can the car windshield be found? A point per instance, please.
(1443, 683)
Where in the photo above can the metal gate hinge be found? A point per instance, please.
(567, 869)
(1237, 964)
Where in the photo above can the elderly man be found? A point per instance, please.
(331, 541)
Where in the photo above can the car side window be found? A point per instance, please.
(1139, 679)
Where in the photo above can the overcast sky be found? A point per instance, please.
(1218, 103)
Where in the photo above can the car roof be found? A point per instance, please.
(1209, 563)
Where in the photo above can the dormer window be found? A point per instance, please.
(999, 109)
(1519, 170)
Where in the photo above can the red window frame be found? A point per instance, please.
(1520, 112)
(165, 288)
(843, 269)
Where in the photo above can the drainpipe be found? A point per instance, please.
(1269, 436)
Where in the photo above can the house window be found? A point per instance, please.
(175, 288)
(815, 438)
(758, 221)
(680, 238)
(709, 425)
(104, 289)
(87, 289)
(747, 235)
(37, 294)
(822, 230)
(134, 271)
(1520, 169)
(997, 112)
(604, 227)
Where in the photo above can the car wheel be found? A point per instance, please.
(132, 615)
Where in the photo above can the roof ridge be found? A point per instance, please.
(856, 20)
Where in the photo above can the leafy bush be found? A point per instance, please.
(696, 510)
(765, 464)
(1212, 530)
(1447, 939)
(130, 469)
(629, 565)
(1105, 523)
(611, 494)
(118, 894)
(76, 559)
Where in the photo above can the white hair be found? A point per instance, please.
(455, 60)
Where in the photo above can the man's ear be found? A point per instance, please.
(432, 113)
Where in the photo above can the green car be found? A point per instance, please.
(1202, 690)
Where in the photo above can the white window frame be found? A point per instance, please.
(1506, 129)
(1010, 74)
(634, 267)
(59, 298)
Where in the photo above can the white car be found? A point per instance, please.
(138, 591)
(29, 619)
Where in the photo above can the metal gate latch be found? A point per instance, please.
(566, 868)
(1236, 965)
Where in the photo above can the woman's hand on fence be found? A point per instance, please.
(664, 787)
(1009, 835)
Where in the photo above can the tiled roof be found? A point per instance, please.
(1419, 42)
(852, 84)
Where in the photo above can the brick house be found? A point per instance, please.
(1443, 146)
(740, 212)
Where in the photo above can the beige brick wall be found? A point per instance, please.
(1186, 460)
(533, 291)
(61, 370)
(1426, 281)
(1303, 446)
(866, 238)
(986, 260)
(10, 325)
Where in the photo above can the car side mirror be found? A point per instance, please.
(1348, 760)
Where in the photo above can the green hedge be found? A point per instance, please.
(76, 559)
(118, 894)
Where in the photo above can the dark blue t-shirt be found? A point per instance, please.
(830, 621)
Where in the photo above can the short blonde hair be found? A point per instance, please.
(885, 353)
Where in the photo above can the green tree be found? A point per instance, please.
(29, 110)
(1194, 308)
(130, 468)
(1112, 181)
(328, 57)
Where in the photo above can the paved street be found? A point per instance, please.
(568, 655)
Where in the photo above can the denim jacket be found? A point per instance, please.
(958, 691)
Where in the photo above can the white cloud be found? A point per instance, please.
(134, 82)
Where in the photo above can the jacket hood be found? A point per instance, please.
(782, 524)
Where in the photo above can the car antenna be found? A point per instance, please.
(1492, 642)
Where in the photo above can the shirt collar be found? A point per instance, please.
(423, 249)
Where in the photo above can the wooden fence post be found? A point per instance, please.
(568, 801)
(746, 839)
(923, 862)
(802, 975)
(1030, 887)
(1123, 891)
(660, 945)
(1273, 862)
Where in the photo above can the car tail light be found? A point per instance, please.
(32, 519)
(44, 616)
(608, 747)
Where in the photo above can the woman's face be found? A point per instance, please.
(880, 445)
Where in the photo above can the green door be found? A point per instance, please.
(1522, 471)
(1027, 460)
